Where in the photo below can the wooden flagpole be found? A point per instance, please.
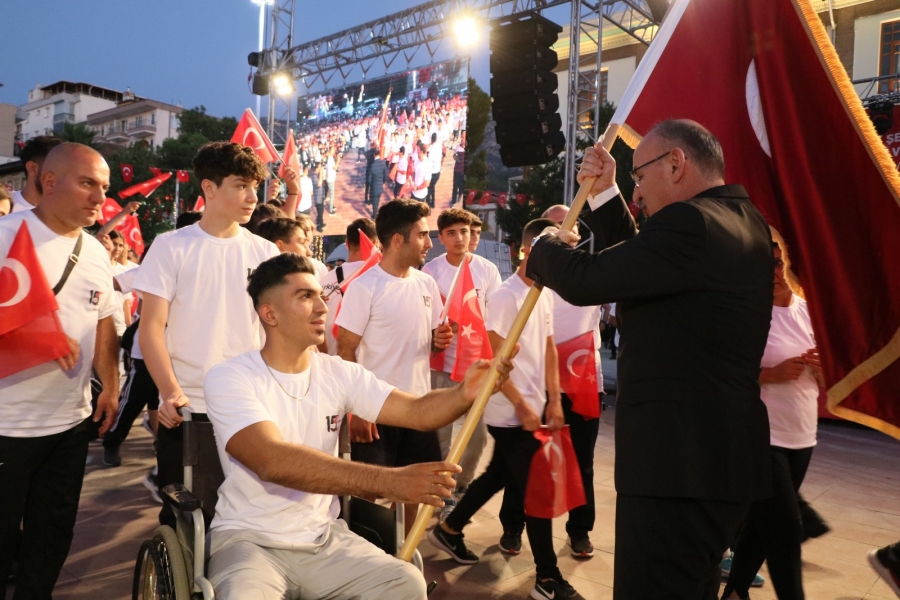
(426, 511)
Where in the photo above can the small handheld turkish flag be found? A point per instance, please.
(131, 231)
(578, 374)
(109, 209)
(370, 254)
(30, 332)
(156, 171)
(145, 188)
(200, 205)
(554, 483)
(291, 158)
(183, 176)
(472, 341)
(127, 172)
(250, 133)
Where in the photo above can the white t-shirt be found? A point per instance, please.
(570, 321)
(119, 315)
(320, 267)
(486, 278)
(330, 170)
(241, 392)
(211, 316)
(530, 374)
(422, 175)
(45, 400)
(793, 405)
(402, 166)
(306, 191)
(19, 203)
(395, 317)
(332, 290)
(435, 156)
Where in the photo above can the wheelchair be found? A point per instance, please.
(171, 565)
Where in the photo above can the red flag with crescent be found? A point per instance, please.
(30, 332)
(183, 176)
(291, 158)
(503, 199)
(131, 231)
(470, 197)
(554, 483)
(250, 133)
(793, 131)
(145, 188)
(127, 172)
(472, 341)
(109, 209)
(200, 204)
(578, 374)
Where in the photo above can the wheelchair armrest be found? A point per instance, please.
(179, 496)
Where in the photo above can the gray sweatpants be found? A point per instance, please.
(246, 565)
(472, 454)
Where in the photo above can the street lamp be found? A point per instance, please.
(283, 83)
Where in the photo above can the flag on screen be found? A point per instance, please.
(554, 483)
(30, 331)
(145, 188)
(765, 79)
(578, 374)
(250, 133)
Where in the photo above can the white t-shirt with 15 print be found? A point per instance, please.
(45, 400)
(530, 374)
(211, 316)
(793, 405)
(241, 392)
(486, 278)
(395, 317)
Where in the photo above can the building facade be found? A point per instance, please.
(135, 120)
(50, 107)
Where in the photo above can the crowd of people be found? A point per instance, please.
(229, 316)
(404, 149)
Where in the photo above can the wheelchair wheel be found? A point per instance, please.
(160, 573)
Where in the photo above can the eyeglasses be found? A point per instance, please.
(637, 178)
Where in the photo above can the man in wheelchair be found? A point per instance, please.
(277, 414)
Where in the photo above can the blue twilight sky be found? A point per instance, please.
(191, 52)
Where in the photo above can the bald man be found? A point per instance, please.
(45, 414)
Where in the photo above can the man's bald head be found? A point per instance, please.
(74, 178)
(556, 213)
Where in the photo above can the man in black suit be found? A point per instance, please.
(694, 292)
(376, 177)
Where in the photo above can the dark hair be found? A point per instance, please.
(261, 213)
(276, 203)
(476, 222)
(399, 216)
(279, 228)
(452, 216)
(187, 218)
(367, 226)
(534, 228)
(36, 149)
(272, 273)
(114, 235)
(697, 143)
(217, 160)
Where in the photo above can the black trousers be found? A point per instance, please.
(40, 485)
(671, 548)
(139, 391)
(373, 195)
(774, 531)
(429, 198)
(581, 518)
(459, 185)
(509, 468)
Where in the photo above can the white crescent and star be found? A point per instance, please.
(755, 109)
(572, 358)
(23, 281)
(471, 300)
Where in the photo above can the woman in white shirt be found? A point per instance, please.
(789, 380)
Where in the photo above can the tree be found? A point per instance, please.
(195, 120)
(79, 133)
(544, 184)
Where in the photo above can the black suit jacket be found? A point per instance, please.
(694, 300)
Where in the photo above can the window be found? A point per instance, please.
(138, 121)
(153, 118)
(889, 60)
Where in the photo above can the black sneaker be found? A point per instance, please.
(452, 545)
(511, 542)
(111, 457)
(886, 562)
(553, 589)
(582, 548)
